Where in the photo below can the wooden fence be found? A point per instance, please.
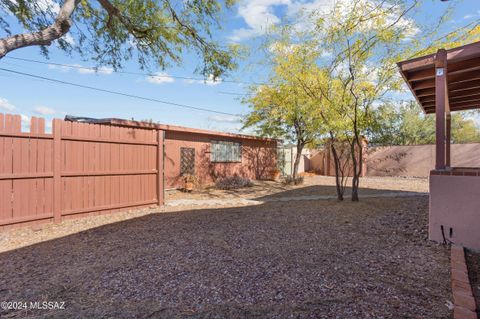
(77, 169)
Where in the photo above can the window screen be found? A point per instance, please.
(223, 151)
(187, 161)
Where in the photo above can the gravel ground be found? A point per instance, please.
(313, 185)
(473, 263)
(309, 259)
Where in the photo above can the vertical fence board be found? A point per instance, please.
(40, 183)
(68, 156)
(5, 185)
(160, 194)
(18, 185)
(97, 189)
(91, 167)
(57, 169)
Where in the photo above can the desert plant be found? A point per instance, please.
(275, 174)
(233, 182)
(190, 178)
(289, 180)
(190, 181)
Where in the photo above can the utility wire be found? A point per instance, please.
(129, 72)
(118, 93)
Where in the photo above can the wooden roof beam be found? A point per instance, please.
(465, 108)
(464, 66)
(421, 75)
(461, 86)
(464, 77)
(466, 92)
(465, 98)
(427, 99)
(466, 103)
(465, 52)
(426, 92)
(430, 109)
(425, 84)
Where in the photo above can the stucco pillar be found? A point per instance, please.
(440, 101)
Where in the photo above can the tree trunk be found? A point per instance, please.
(338, 173)
(44, 37)
(298, 156)
(354, 168)
(357, 158)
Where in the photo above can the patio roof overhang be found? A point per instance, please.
(461, 67)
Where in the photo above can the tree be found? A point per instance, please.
(113, 31)
(281, 109)
(362, 40)
(279, 112)
(356, 46)
(407, 125)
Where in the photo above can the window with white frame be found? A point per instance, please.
(225, 151)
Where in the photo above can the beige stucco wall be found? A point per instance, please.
(417, 160)
(455, 203)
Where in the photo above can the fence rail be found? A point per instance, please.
(79, 168)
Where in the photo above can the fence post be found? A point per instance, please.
(160, 173)
(57, 167)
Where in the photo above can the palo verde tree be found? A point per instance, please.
(112, 31)
(281, 109)
(358, 43)
(406, 124)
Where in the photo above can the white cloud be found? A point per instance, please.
(207, 81)
(471, 15)
(105, 70)
(160, 78)
(101, 70)
(224, 119)
(69, 39)
(44, 110)
(43, 5)
(58, 67)
(7, 106)
(48, 5)
(81, 69)
(258, 15)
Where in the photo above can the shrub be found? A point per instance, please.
(233, 182)
(289, 180)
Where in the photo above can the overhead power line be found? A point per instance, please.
(131, 73)
(117, 93)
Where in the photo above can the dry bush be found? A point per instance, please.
(233, 182)
(289, 180)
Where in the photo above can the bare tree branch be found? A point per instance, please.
(53, 32)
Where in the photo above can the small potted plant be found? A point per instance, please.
(275, 174)
(190, 181)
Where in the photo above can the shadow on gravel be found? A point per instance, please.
(310, 259)
(326, 190)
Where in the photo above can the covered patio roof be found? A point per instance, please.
(461, 66)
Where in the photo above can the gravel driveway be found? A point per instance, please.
(309, 259)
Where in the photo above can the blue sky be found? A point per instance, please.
(243, 24)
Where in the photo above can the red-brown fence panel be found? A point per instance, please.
(79, 169)
(26, 176)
